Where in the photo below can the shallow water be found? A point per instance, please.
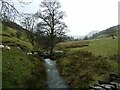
(54, 78)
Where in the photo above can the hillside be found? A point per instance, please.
(109, 32)
(112, 31)
(20, 70)
(91, 33)
(88, 35)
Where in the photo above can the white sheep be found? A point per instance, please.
(35, 52)
(58, 51)
(18, 48)
(7, 47)
(29, 53)
(2, 46)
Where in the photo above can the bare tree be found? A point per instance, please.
(51, 21)
(8, 10)
(28, 22)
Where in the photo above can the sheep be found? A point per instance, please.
(7, 47)
(35, 52)
(2, 46)
(58, 51)
(19, 48)
(29, 53)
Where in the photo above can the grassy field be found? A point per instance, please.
(86, 62)
(105, 47)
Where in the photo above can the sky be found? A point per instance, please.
(83, 16)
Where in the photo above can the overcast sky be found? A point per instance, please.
(83, 16)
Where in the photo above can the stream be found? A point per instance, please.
(54, 79)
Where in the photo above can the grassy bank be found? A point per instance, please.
(20, 70)
(85, 65)
(81, 69)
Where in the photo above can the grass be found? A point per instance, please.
(105, 47)
(8, 30)
(71, 44)
(9, 38)
(17, 42)
(18, 66)
(102, 36)
(88, 61)
(81, 68)
(20, 70)
(14, 67)
(13, 32)
(0, 69)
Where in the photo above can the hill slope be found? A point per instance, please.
(106, 33)
(91, 33)
(20, 70)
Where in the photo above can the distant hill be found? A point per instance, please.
(76, 36)
(106, 33)
(91, 33)
(112, 31)
(88, 35)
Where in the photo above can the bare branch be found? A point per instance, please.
(51, 16)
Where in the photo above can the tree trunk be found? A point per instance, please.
(52, 41)
(51, 46)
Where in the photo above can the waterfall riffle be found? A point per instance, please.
(54, 79)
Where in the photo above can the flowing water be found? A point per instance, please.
(54, 78)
